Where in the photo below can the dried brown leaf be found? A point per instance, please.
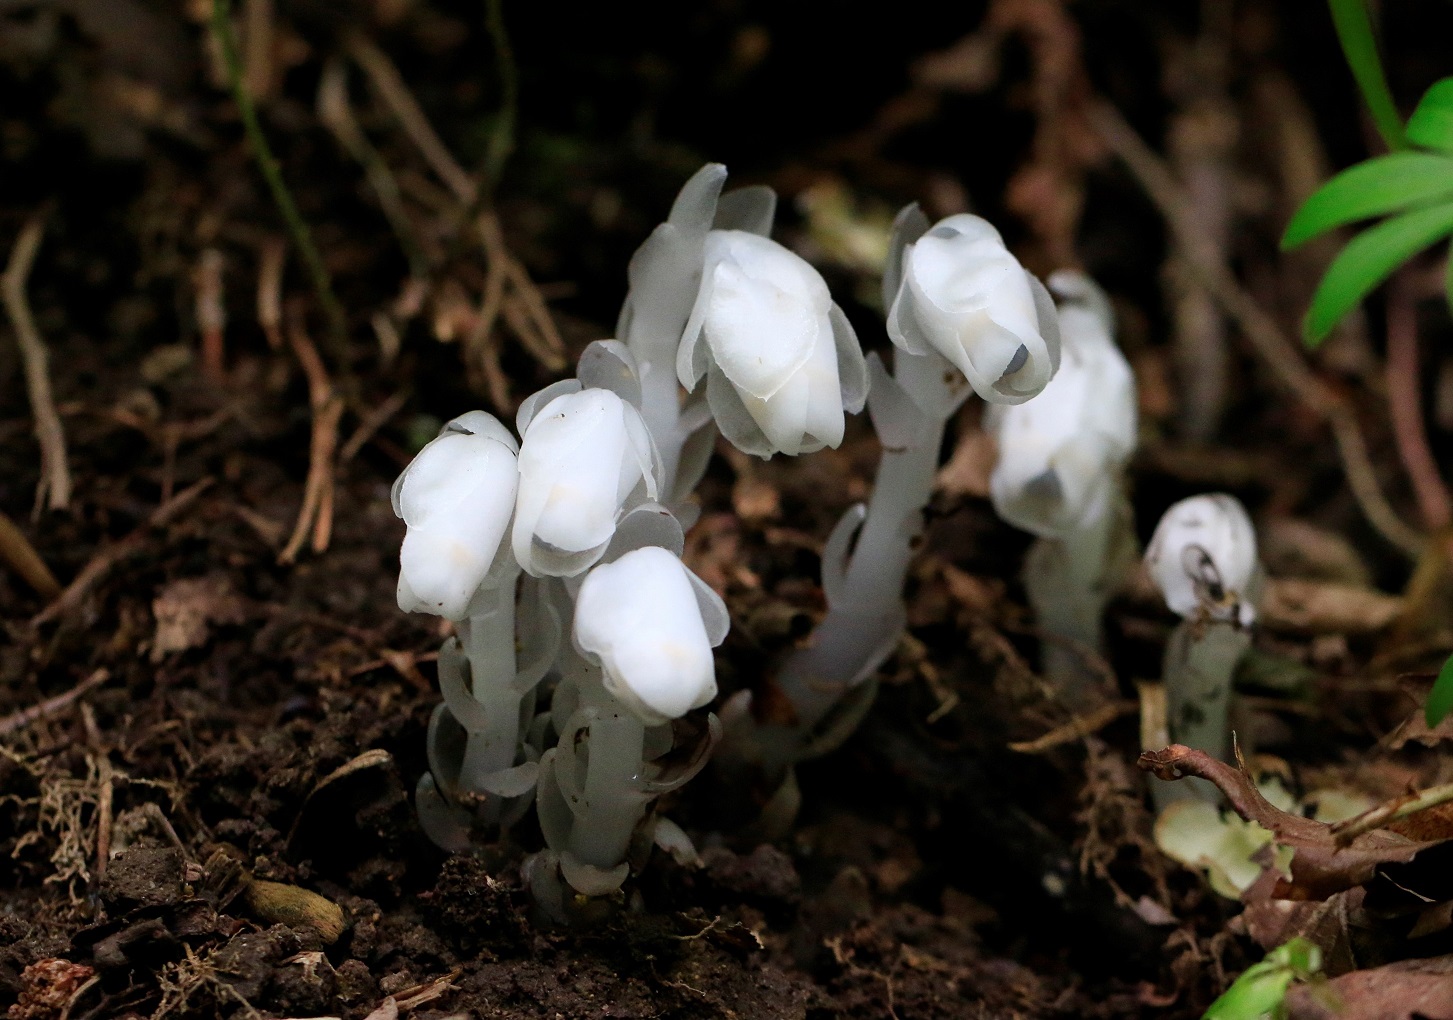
(1319, 867)
(187, 608)
(1408, 990)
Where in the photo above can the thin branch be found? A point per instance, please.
(316, 514)
(1394, 810)
(54, 490)
(1265, 336)
(16, 721)
(114, 553)
(282, 197)
(530, 317)
(19, 555)
(1405, 405)
(1078, 728)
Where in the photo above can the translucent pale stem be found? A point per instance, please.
(1069, 581)
(863, 624)
(1200, 660)
(611, 804)
(489, 644)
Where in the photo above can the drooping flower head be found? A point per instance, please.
(651, 624)
(781, 361)
(1202, 558)
(583, 455)
(456, 498)
(1061, 455)
(961, 293)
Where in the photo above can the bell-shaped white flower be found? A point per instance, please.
(962, 294)
(652, 624)
(1061, 455)
(456, 498)
(781, 360)
(1203, 559)
(582, 457)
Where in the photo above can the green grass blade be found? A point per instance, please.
(1431, 124)
(1370, 259)
(1377, 186)
(1440, 698)
(1354, 31)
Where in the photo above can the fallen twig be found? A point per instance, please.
(1405, 406)
(54, 490)
(370, 425)
(1402, 807)
(1266, 337)
(316, 514)
(270, 259)
(20, 556)
(16, 721)
(211, 314)
(1078, 728)
(530, 318)
(117, 551)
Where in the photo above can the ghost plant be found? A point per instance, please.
(965, 316)
(1202, 558)
(1060, 475)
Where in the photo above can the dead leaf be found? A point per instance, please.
(1319, 867)
(1327, 924)
(187, 608)
(1326, 607)
(1407, 990)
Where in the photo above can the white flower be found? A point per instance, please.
(963, 295)
(642, 617)
(1202, 557)
(582, 456)
(781, 361)
(1061, 455)
(456, 498)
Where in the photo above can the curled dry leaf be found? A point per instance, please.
(1319, 866)
(1421, 989)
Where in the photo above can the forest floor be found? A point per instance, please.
(212, 714)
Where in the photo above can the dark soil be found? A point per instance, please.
(222, 824)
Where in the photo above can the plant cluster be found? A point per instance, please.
(582, 653)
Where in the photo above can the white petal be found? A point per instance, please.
(578, 462)
(1202, 557)
(456, 497)
(446, 472)
(639, 615)
(1059, 451)
(765, 310)
(966, 296)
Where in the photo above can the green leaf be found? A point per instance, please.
(1440, 698)
(1354, 31)
(1368, 260)
(1431, 124)
(1259, 992)
(1380, 185)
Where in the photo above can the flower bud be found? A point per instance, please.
(963, 295)
(582, 457)
(782, 362)
(456, 498)
(1061, 454)
(643, 618)
(1202, 557)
